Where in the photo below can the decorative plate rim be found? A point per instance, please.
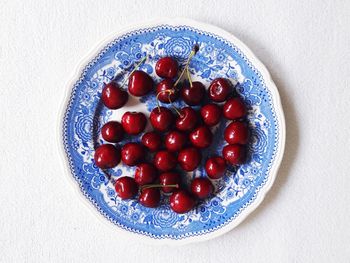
(268, 83)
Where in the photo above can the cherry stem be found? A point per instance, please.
(135, 68)
(169, 91)
(193, 52)
(158, 186)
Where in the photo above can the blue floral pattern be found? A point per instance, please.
(216, 58)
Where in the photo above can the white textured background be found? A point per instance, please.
(306, 47)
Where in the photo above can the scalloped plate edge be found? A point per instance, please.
(268, 82)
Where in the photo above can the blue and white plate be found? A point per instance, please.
(221, 55)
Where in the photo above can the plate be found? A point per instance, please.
(242, 188)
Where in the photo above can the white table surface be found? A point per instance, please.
(306, 47)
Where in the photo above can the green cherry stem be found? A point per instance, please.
(158, 186)
(135, 68)
(193, 52)
(169, 91)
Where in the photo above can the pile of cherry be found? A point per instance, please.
(177, 140)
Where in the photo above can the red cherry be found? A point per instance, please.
(193, 95)
(132, 153)
(112, 131)
(201, 137)
(161, 118)
(189, 158)
(126, 187)
(215, 167)
(169, 178)
(140, 83)
(234, 154)
(150, 197)
(166, 67)
(107, 156)
(175, 141)
(166, 92)
(202, 187)
(219, 90)
(187, 120)
(211, 114)
(181, 201)
(164, 161)
(133, 122)
(234, 109)
(113, 96)
(145, 173)
(152, 141)
(237, 133)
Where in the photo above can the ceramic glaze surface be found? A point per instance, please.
(217, 57)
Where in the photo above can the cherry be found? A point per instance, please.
(201, 137)
(193, 95)
(187, 120)
(175, 141)
(181, 201)
(112, 131)
(234, 154)
(152, 141)
(211, 114)
(237, 133)
(161, 118)
(189, 158)
(133, 122)
(215, 167)
(202, 187)
(132, 153)
(107, 156)
(164, 160)
(166, 67)
(145, 173)
(150, 197)
(140, 83)
(113, 96)
(166, 91)
(126, 187)
(169, 178)
(219, 90)
(234, 109)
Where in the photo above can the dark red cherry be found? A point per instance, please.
(189, 158)
(145, 173)
(195, 95)
(132, 153)
(152, 141)
(113, 96)
(175, 141)
(215, 167)
(237, 133)
(161, 118)
(107, 156)
(112, 131)
(219, 90)
(169, 178)
(140, 83)
(150, 197)
(234, 154)
(164, 161)
(126, 187)
(133, 122)
(202, 188)
(211, 114)
(181, 201)
(201, 137)
(234, 109)
(166, 92)
(187, 120)
(167, 67)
